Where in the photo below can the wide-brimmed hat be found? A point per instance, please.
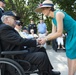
(46, 3)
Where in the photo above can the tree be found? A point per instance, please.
(69, 6)
(19, 7)
(26, 11)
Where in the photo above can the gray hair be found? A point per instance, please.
(3, 18)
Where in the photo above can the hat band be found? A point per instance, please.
(48, 4)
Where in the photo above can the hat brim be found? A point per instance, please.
(17, 17)
(39, 9)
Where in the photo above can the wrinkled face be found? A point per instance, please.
(46, 11)
(2, 4)
(11, 21)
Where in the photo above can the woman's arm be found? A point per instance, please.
(56, 31)
(53, 30)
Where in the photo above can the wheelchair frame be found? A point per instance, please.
(13, 63)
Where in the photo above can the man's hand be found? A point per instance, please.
(39, 41)
(42, 41)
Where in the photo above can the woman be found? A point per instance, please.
(61, 20)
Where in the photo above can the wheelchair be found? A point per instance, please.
(11, 66)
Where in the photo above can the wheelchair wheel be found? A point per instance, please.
(10, 67)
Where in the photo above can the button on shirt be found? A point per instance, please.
(42, 28)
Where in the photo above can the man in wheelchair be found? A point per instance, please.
(11, 40)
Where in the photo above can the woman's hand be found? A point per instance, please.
(43, 40)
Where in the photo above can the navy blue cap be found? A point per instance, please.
(11, 13)
(18, 22)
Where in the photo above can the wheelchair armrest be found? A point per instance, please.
(14, 52)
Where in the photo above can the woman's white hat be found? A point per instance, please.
(46, 3)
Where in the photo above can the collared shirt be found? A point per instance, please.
(28, 36)
(21, 34)
(42, 28)
(2, 8)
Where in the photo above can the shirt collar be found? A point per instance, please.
(2, 8)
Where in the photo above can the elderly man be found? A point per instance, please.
(25, 33)
(11, 40)
(2, 5)
(18, 28)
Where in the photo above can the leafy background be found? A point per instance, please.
(26, 10)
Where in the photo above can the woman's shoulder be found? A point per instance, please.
(58, 12)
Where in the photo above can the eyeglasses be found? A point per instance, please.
(19, 25)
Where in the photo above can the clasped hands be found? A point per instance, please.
(41, 41)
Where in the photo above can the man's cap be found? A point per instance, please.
(11, 13)
(46, 3)
(2, 1)
(18, 22)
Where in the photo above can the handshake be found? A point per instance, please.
(41, 41)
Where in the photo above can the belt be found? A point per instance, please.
(41, 33)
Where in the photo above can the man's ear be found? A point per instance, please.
(6, 19)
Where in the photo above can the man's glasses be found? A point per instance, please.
(19, 25)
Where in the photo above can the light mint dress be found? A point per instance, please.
(69, 25)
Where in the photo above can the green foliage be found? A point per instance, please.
(26, 12)
(18, 6)
(69, 6)
(49, 24)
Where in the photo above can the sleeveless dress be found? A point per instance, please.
(69, 25)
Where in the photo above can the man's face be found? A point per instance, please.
(32, 22)
(19, 27)
(2, 4)
(41, 21)
(11, 21)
